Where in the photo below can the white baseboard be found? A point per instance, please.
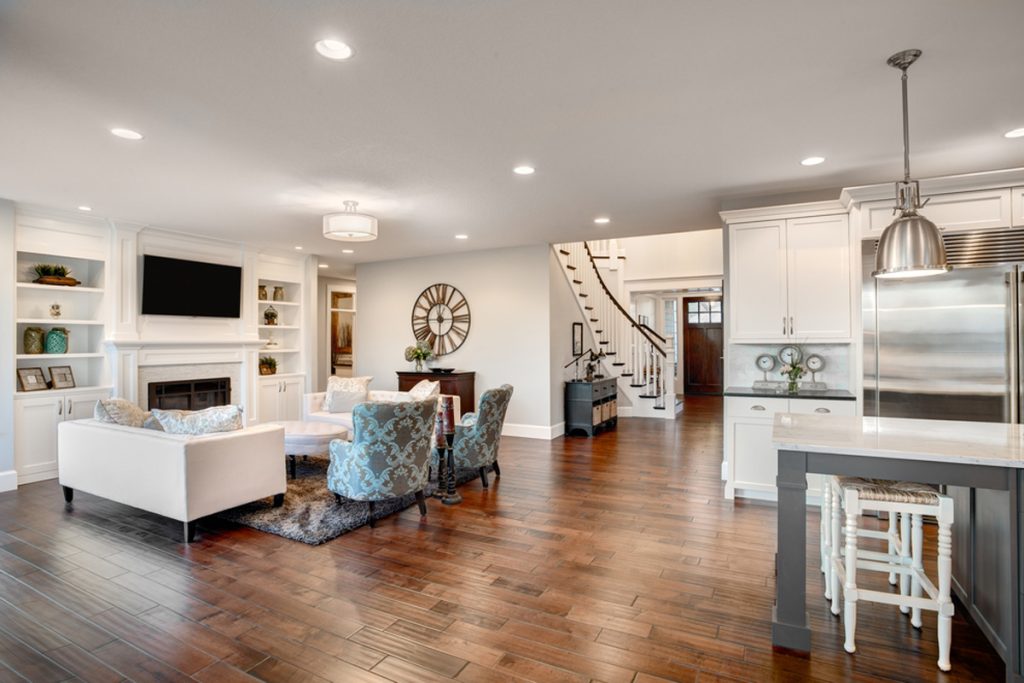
(8, 480)
(725, 470)
(533, 431)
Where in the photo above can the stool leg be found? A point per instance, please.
(945, 606)
(915, 580)
(833, 577)
(850, 587)
(892, 544)
(905, 558)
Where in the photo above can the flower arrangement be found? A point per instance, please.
(419, 353)
(793, 372)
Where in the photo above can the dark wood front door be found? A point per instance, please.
(702, 345)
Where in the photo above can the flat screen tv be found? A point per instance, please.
(172, 286)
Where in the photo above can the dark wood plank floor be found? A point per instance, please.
(612, 559)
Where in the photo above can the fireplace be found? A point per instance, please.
(190, 394)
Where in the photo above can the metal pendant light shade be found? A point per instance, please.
(350, 225)
(910, 246)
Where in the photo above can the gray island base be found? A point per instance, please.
(969, 454)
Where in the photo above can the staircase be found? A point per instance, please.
(633, 352)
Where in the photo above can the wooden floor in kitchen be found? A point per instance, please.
(611, 559)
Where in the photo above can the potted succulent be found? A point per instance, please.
(268, 365)
(419, 353)
(52, 274)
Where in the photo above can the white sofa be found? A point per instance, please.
(177, 476)
(313, 407)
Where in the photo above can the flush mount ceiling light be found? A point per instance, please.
(524, 170)
(333, 49)
(812, 161)
(911, 246)
(126, 133)
(350, 225)
(1015, 133)
(602, 220)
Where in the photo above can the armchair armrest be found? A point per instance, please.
(312, 403)
(468, 420)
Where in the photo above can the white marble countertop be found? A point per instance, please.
(975, 443)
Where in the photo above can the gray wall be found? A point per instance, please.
(7, 331)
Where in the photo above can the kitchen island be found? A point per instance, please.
(970, 454)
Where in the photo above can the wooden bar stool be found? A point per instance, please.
(911, 502)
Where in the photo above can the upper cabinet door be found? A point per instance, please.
(819, 278)
(757, 281)
(1017, 202)
(953, 212)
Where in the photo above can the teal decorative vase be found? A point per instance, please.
(57, 340)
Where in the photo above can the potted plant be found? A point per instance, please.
(793, 372)
(268, 365)
(52, 274)
(419, 353)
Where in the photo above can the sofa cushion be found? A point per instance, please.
(424, 389)
(344, 392)
(119, 411)
(208, 421)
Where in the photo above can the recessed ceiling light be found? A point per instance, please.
(126, 133)
(333, 49)
(321, 265)
(524, 170)
(462, 237)
(298, 247)
(348, 251)
(1015, 133)
(85, 208)
(813, 161)
(602, 220)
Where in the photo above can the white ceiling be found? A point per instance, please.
(653, 111)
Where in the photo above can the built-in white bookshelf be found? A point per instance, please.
(287, 333)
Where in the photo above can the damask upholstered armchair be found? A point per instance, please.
(477, 438)
(389, 455)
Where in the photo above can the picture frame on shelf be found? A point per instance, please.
(61, 377)
(577, 339)
(31, 379)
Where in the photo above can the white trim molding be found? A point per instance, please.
(8, 480)
(533, 431)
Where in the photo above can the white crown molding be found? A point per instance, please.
(985, 180)
(802, 210)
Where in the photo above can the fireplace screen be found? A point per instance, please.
(190, 394)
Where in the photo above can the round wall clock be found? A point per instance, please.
(441, 318)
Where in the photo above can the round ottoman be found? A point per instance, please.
(308, 438)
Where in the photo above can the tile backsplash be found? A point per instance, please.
(743, 371)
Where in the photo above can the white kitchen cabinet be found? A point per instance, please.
(280, 397)
(1017, 207)
(789, 280)
(752, 462)
(953, 212)
(36, 417)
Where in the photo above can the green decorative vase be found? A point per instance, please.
(33, 339)
(57, 340)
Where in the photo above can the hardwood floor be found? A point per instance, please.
(611, 559)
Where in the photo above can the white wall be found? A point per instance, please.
(509, 338)
(8, 477)
(677, 255)
(565, 310)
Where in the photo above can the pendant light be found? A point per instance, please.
(911, 246)
(350, 225)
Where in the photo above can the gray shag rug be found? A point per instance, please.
(310, 512)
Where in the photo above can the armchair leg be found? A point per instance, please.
(189, 531)
(278, 500)
(483, 477)
(337, 499)
(373, 522)
(421, 502)
(497, 470)
(69, 493)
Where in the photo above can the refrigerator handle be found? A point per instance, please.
(1013, 334)
(1018, 349)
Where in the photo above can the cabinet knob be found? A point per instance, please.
(822, 410)
(757, 407)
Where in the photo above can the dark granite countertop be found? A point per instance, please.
(820, 394)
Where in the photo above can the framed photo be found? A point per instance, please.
(31, 379)
(62, 377)
(577, 339)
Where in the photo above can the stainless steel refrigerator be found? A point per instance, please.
(950, 347)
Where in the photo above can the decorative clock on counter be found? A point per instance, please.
(441, 318)
(790, 355)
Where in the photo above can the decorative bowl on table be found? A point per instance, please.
(443, 371)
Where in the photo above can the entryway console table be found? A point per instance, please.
(590, 406)
(971, 454)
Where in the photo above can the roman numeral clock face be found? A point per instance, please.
(440, 317)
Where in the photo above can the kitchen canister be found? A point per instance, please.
(57, 340)
(33, 339)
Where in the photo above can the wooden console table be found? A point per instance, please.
(590, 406)
(458, 383)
